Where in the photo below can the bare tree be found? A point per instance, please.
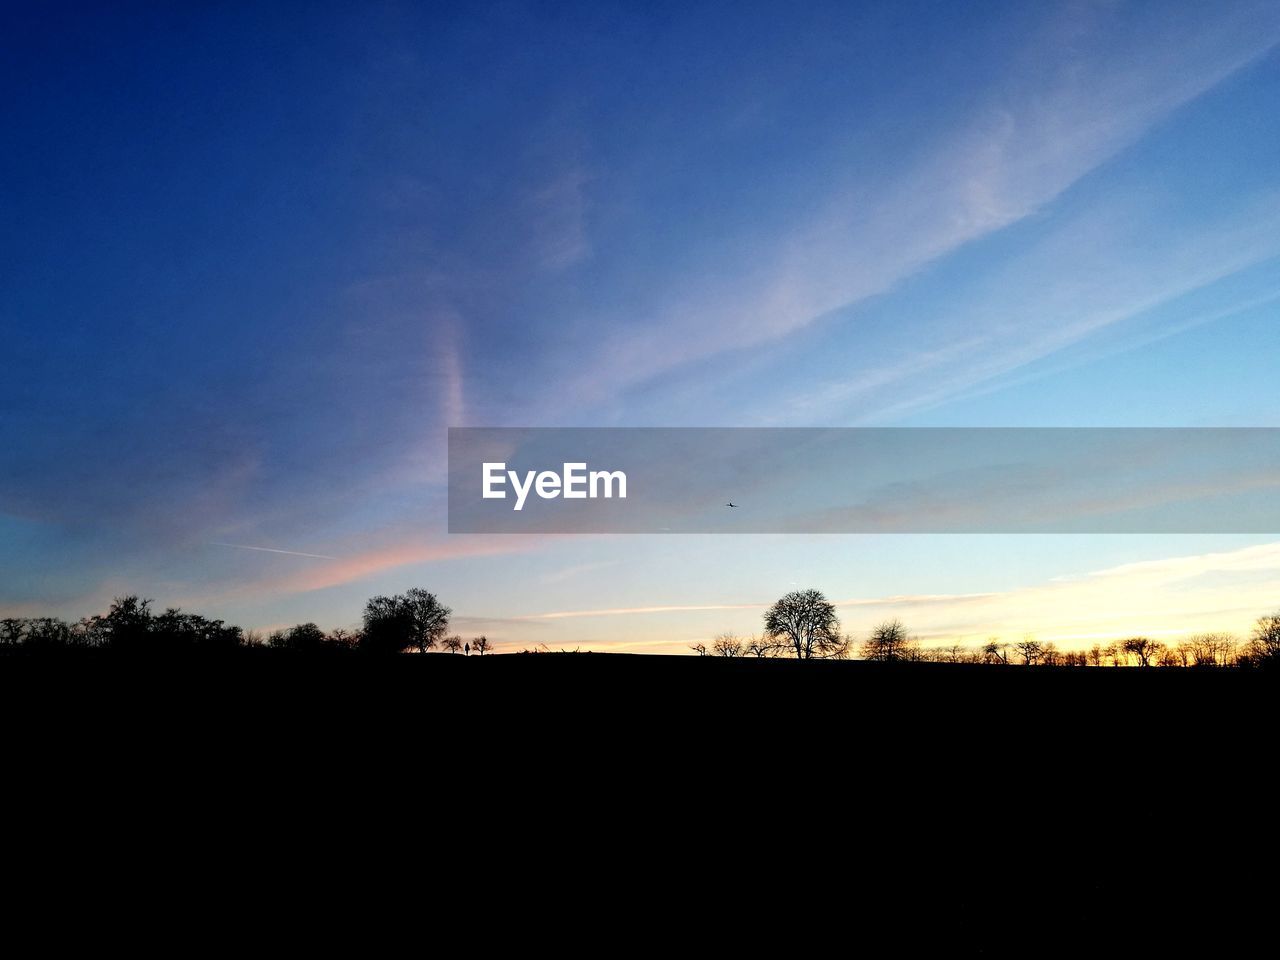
(1228, 650)
(1210, 649)
(1264, 645)
(761, 647)
(1144, 649)
(344, 639)
(453, 644)
(699, 648)
(993, 651)
(805, 622)
(888, 642)
(481, 645)
(727, 645)
(1030, 649)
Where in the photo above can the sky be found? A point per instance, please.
(257, 259)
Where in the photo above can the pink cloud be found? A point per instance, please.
(371, 562)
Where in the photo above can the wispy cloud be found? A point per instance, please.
(365, 565)
(632, 611)
(291, 553)
(1083, 91)
(1087, 276)
(1168, 597)
(557, 216)
(578, 570)
(758, 605)
(1174, 596)
(357, 566)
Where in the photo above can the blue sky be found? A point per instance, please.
(259, 257)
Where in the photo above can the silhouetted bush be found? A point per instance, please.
(303, 638)
(127, 626)
(39, 633)
(174, 629)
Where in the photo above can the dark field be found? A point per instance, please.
(1091, 711)
(967, 810)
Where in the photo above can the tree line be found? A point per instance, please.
(414, 620)
(802, 625)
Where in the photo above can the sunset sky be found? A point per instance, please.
(257, 259)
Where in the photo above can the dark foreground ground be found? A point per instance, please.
(915, 809)
(520, 701)
(952, 703)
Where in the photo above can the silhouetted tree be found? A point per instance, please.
(887, 642)
(1264, 645)
(40, 633)
(344, 639)
(412, 619)
(453, 644)
(1209, 649)
(175, 630)
(727, 645)
(699, 648)
(481, 645)
(1030, 649)
(762, 646)
(11, 632)
(127, 625)
(993, 651)
(806, 622)
(1144, 649)
(303, 638)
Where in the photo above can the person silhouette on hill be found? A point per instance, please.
(467, 648)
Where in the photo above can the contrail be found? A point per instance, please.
(292, 553)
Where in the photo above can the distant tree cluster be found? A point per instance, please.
(415, 620)
(1201, 650)
(308, 638)
(129, 626)
(803, 625)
